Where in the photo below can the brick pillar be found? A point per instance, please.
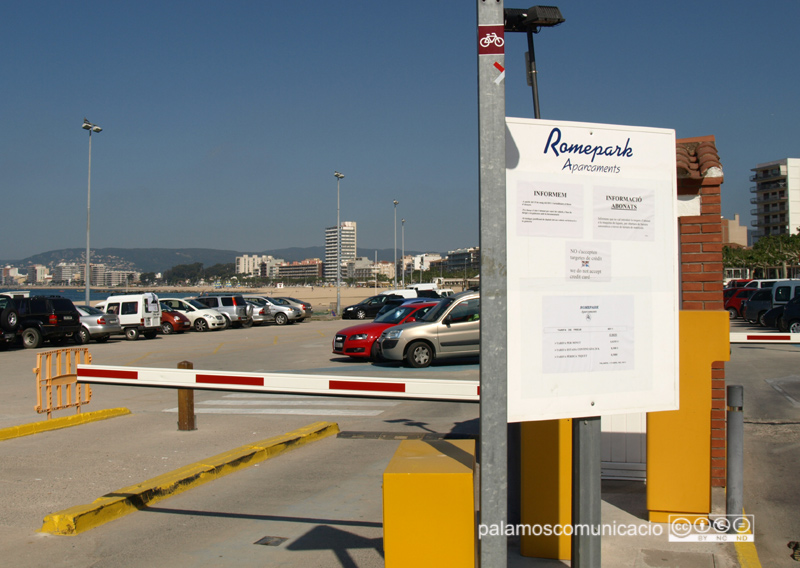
(700, 178)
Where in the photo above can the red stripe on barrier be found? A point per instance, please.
(108, 374)
(355, 385)
(230, 380)
(770, 337)
(479, 390)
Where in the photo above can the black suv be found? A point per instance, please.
(233, 307)
(51, 318)
(9, 319)
(369, 307)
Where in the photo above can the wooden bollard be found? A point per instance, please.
(186, 419)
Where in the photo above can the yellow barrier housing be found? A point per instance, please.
(679, 441)
(546, 492)
(429, 505)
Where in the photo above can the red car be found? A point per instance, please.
(734, 303)
(172, 321)
(359, 341)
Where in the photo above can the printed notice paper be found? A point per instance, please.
(624, 214)
(587, 333)
(549, 210)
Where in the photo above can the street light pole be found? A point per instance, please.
(338, 248)
(395, 242)
(88, 279)
(403, 248)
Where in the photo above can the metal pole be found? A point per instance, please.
(532, 75)
(403, 249)
(339, 177)
(734, 484)
(88, 222)
(394, 281)
(493, 317)
(586, 517)
(375, 272)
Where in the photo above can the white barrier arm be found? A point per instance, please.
(288, 383)
(750, 337)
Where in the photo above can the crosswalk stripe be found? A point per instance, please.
(300, 411)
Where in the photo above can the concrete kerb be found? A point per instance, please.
(81, 518)
(62, 422)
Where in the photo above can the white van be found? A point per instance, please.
(138, 313)
(784, 290)
(760, 284)
(405, 293)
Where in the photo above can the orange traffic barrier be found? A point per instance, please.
(59, 370)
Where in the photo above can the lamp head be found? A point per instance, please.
(531, 19)
(338, 175)
(395, 202)
(96, 129)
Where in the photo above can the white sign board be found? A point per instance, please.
(593, 289)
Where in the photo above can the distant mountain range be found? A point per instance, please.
(159, 260)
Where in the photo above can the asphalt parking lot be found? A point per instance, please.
(315, 495)
(323, 499)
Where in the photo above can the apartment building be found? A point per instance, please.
(348, 231)
(777, 198)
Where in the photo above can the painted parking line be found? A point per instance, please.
(309, 402)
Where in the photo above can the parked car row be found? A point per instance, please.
(775, 306)
(32, 320)
(417, 331)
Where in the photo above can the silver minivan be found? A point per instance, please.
(784, 290)
(451, 329)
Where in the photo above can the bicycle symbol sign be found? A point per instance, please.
(490, 40)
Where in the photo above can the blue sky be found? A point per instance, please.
(224, 122)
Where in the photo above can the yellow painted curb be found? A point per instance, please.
(63, 422)
(746, 552)
(119, 503)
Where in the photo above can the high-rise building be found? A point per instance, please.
(777, 198)
(348, 231)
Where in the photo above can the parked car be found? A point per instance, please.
(754, 308)
(46, 318)
(760, 284)
(279, 311)
(261, 310)
(232, 306)
(392, 304)
(737, 283)
(368, 307)
(734, 303)
(97, 325)
(138, 313)
(790, 318)
(785, 290)
(450, 329)
(173, 321)
(770, 319)
(9, 319)
(305, 307)
(358, 341)
(200, 316)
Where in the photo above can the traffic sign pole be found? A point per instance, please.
(494, 368)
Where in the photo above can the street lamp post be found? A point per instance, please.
(395, 242)
(88, 280)
(403, 248)
(338, 248)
